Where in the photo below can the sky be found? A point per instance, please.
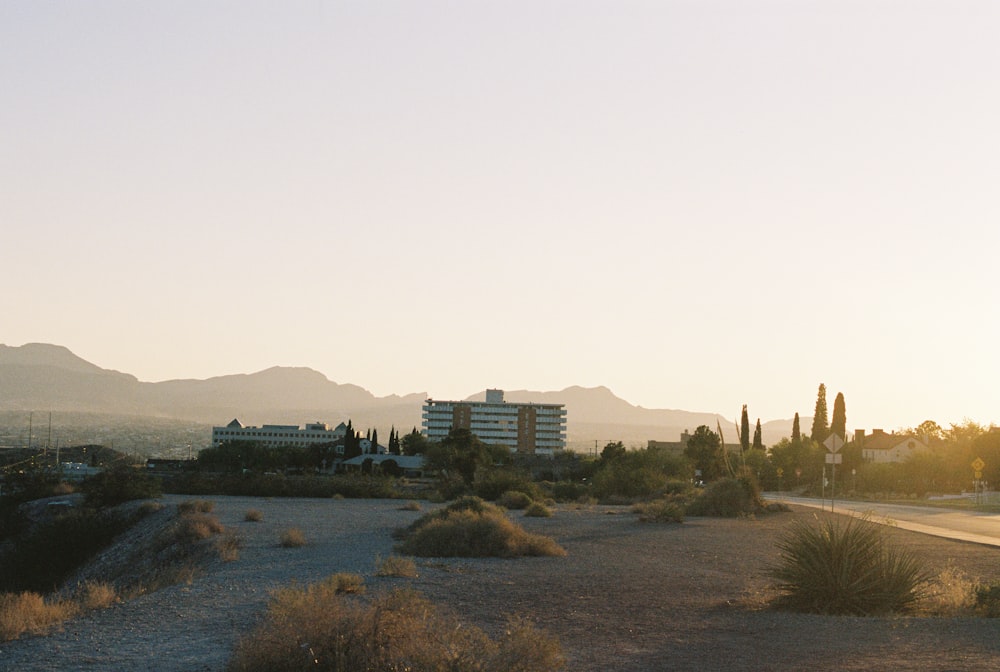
(699, 204)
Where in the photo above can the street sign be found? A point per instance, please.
(834, 458)
(978, 464)
(979, 474)
(781, 472)
(833, 443)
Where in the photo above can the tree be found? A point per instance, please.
(704, 449)
(462, 453)
(744, 430)
(838, 425)
(758, 442)
(820, 428)
(414, 443)
(613, 450)
(374, 442)
(796, 432)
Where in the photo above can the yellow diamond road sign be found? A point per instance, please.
(978, 464)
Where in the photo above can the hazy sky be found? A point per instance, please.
(698, 204)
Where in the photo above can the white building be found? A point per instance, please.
(537, 429)
(279, 435)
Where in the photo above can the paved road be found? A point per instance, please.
(974, 526)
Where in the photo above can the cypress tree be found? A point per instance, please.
(838, 425)
(374, 442)
(820, 426)
(745, 430)
(758, 443)
(796, 432)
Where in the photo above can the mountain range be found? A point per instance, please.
(50, 378)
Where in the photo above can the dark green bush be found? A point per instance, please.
(42, 558)
(727, 498)
(569, 491)
(840, 566)
(493, 484)
(514, 499)
(117, 484)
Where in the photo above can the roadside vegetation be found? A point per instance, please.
(321, 627)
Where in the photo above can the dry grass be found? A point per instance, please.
(196, 506)
(412, 505)
(396, 565)
(253, 516)
(659, 511)
(96, 595)
(951, 593)
(345, 583)
(194, 527)
(228, 547)
(318, 629)
(513, 499)
(31, 613)
(292, 538)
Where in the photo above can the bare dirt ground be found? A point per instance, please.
(628, 596)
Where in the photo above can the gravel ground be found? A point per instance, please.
(628, 597)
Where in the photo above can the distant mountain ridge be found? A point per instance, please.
(43, 377)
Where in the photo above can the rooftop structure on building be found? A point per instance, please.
(279, 435)
(526, 428)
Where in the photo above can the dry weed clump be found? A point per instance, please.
(29, 612)
(293, 537)
(411, 505)
(197, 526)
(951, 593)
(513, 499)
(253, 516)
(538, 510)
(473, 528)
(196, 506)
(315, 628)
(344, 582)
(228, 547)
(659, 511)
(96, 595)
(397, 566)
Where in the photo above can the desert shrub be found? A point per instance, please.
(659, 511)
(292, 538)
(253, 516)
(228, 547)
(314, 628)
(466, 532)
(728, 498)
(344, 582)
(196, 506)
(842, 566)
(951, 593)
(513, 499)
(353, 486)
(117, 484)
(411, 505)
(493, 484)
(538, 510)
(197, 526)
(95, 595)
(677, 488)
(395, 565)
(29, 612)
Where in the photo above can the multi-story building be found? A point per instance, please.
(522, 427)
(279, 435)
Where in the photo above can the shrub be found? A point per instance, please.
(228, 547)
(395, 565)
(538, 510)
(118, 484)
(988, 600)
(513, 499)
(659, 511)
(196, 506)
(197, 526)
(569, 491)
(411, 505)
(727, 498)
(293, 538)
(314, 628)
(343, 582)
(952, 593)
(838, 567)
(495, 483)
(96, 595)
(253, 516)
(473, 529)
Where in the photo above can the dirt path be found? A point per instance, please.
(628, 597)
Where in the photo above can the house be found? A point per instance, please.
(881, 447)
(411, 466)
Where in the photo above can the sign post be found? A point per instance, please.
(833, 443)
(977, 466)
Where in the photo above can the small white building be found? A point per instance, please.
(881, 447)
(279, 435)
